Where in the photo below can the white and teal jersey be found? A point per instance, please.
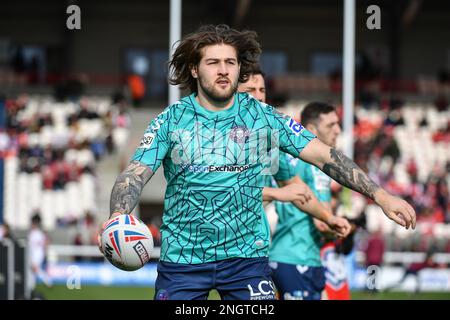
(296, 239)
(212, 162)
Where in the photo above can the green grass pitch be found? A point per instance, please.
(61, 292)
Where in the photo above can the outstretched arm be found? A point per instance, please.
(343, 170)
(128, 188)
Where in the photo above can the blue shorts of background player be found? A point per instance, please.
(298, 282)
(234, 279)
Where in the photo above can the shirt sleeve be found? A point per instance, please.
(292, 136)
(155, 143)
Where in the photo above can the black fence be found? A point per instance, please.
(14, 281)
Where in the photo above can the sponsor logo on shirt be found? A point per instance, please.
(295, 127)
(147, 140)
(211, 168)
(149, 136)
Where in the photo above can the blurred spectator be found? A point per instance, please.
(88, 229)
(413, 270)
(5, 232)
(5, 142)
(18, 61)
(441, 103)
(394, 118)
(78, 241)
(85, 112)
(70, 88)
(375, 249)
(442, 135)
(136, 85)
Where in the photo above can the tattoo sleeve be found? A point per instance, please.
(347, 173)
(128, 187)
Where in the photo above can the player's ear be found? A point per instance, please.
(194, 71)
(311, 128)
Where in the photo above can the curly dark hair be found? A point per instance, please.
(187, 54)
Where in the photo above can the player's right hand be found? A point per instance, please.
(99, 235)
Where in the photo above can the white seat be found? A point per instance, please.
(87, 188)
(22, 218)
(60, 203)
(71, 156)
(35, 191)
(120, 137)
(47, 210)
(374, 217)
(73, 198)
(85, 157)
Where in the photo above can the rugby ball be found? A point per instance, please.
(126, 242)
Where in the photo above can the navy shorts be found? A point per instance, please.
(234, 279)
(297, 282)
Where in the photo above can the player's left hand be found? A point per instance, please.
(339, 226)
(396, 209)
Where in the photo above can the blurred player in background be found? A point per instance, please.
(214, 234)
(322, 120)
(414, 270)
(37, 250)
(255, 85)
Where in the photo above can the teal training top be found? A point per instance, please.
(296, 239)
(212, 163)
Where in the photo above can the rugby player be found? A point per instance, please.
(213, 144)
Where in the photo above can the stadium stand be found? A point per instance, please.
(51, 156)
(406, 148)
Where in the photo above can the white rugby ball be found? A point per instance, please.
(127, 242)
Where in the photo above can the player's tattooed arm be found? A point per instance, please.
(128, 188)
(348, 174)
(339, 167)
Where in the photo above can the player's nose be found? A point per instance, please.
(223, 69)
